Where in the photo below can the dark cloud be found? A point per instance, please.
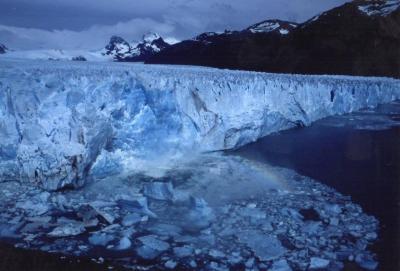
(86, 23)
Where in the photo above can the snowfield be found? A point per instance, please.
(54, 54)
(62, 122)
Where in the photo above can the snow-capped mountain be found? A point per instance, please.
(376, 9)
(358, 38)
(152, 43)
(120, 50)
(3, 49)
(277, 26)
(265, 27)
(117, 49)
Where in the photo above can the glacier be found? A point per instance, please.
(63, 123)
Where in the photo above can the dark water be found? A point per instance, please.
(16, 259)
(364, 164)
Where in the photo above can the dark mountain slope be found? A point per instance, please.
(358, 38)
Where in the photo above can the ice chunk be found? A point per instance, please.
(107, 214)
(147, 253)
(138, 204)
(39, 219)
(100, 239)
(33, 227)
(250, 262)
(152, 247)
(366, 262)
(265, 247)
(153, 242)
(89, 215)
(184, 251)
(280, 265)
(70, 228)
(105, 166)
(124, 244)
(131, 219)
(165, 229)
(34, 208)
(318, 263)
(37, 205)
(216, 254)
(199, 217)
(170, 264)
(8, 230)
(159, 190)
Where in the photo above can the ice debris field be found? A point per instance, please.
(120, 158)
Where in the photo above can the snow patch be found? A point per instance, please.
(265, 27)
(284, 31)
(380, 8)
(150, 37)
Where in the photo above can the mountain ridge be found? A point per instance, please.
(358, 38)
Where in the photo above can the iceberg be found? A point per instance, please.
(58, 120)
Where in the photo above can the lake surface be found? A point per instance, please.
(358, 155)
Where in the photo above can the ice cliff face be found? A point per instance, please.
(61, 123)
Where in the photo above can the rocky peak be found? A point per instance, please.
(152, 43)
(118, 47)
(150, 37)
(121, 50)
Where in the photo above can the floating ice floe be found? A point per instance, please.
(289, 222)
(318, 263)
(266, 247)
(152, 247)
(67, 228)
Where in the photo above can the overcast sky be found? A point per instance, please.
(88, 24)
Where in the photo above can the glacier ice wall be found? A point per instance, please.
(58, 118)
